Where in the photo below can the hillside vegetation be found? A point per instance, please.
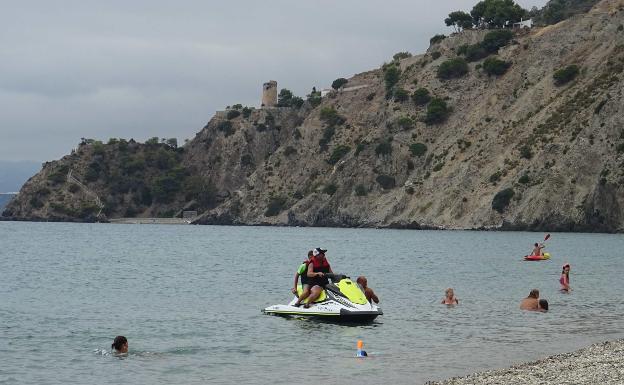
(487, 129)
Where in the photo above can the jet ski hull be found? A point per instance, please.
(335, 315)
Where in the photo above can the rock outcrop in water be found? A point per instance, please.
(427, 141)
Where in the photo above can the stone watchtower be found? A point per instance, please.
(269, 94)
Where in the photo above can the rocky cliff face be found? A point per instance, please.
(515, 148)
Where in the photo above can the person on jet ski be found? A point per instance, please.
(317, 268)
(302, 272)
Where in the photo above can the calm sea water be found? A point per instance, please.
(189, 297)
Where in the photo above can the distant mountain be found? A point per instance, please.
(14, 174)
(4, 200)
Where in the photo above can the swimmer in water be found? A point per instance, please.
(449, 298)
(531, 302)
(542, 306)
(368, 292)
(120, 345)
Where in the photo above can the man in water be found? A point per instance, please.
(368, 292)
(531, 302)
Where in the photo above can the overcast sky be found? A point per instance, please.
(143, 68)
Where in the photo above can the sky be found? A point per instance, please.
(144, 68)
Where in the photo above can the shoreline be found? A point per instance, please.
(600, 363)
(392, 226)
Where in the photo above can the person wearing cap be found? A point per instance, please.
(317, 268)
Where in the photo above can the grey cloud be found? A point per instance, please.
(74, 69)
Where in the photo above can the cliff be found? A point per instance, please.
(490, 144)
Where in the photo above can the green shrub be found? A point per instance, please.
(494, 40)
(421, 96)
(314, 98)
(196, 188)
(401, 55)
(436, 39)
(410, 190)
(502, 199)
(438, 167)
(246, 160)
(275, 206)
(400, 95)
(435, 55)
(225, 127)
(524, 179)
(495, 66)
(525, 152)
(359, 148)
(620, 148)
(386, 182)
(405, 122)
(35, 202)
(74, 188)
(360, 190)
(98, 148)
(392, 75)
(290, 150)
(328, 134)
(338, 153)
(418, 149)
(474, 52)
(330, 189)
(437, 111)
(453, 68)
(496, 177)
(370, 96)
(330, 116)
(384, 148)
(338, 83)
(247, 112)
(566, 74)
(232, 114)
(164, 188)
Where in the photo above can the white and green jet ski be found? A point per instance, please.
(342, 301)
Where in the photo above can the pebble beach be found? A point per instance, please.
(601, 363)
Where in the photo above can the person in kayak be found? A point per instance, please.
(565, 278)
(531, 302)
(120, 345)
(368, 292)
(302, 272)
(449, 298)
(537, 250)
(317, 268)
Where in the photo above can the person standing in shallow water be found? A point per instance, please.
(120, 345)
(565, 278)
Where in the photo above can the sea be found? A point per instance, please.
(189, 300)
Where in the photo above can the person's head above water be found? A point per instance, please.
(120, 344)
(449, 292)
(543, 305)
(565, 268)
(318, 251)
(534, 294)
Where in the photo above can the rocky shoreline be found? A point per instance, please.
(601, 363)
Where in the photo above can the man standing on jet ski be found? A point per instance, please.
(317, 269)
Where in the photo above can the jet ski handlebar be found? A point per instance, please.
(336, 277)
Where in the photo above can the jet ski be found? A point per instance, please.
(342, 301)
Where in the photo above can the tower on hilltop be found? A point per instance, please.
(269, 94)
